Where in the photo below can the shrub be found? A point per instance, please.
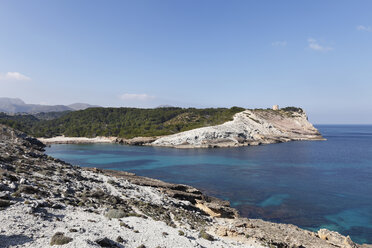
(119, 239)
(125, 225)
(27, 189)
(115, 214)
(112, 182)
(203, 234)
(293, 109)
(59, 238)
(5, 203)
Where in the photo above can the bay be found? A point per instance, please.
(312, 184)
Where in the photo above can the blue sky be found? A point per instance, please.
(312, 54)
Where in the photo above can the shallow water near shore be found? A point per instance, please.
(312, 184)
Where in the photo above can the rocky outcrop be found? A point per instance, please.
(46, 201)
(250, 127)
(281, 235)
(215, 207)
(137, 141)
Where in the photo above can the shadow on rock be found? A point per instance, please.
(14, 240)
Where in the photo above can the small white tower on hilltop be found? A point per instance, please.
(275, 107)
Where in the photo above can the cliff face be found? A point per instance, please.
(45, 201)
(250, 127)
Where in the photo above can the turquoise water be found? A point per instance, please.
(312, 184)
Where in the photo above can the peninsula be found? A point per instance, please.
(170, 127)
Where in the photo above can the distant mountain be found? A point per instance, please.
(165, 106)
(82, 106)
(16, 105)
(10, 104)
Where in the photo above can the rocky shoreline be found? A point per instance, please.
(77, 140)
(250, 127)
(45, 201)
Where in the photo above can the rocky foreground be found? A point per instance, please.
(46, 202)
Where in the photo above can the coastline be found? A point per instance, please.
(77, 140)
(89, 206)
(148, 141)
(248, 128)
(227, 223)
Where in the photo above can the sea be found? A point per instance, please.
(311, 184)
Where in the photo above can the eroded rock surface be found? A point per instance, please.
(250, 127)
(137, 141)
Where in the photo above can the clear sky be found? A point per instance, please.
(312, 54)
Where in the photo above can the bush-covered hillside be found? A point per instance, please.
(121, 122)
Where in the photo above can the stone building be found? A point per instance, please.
(275, 107)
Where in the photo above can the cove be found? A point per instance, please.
(312, 184)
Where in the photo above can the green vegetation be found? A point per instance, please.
(115, 214)
(292, 109)
(4, 203)
(203, 234)
(50, 115)
(20, 122)
(120, 122)
(59, 238)
(119, 239)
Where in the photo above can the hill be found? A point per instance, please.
(249, 127)
(120, 122)
(16, 105)
(81, 106)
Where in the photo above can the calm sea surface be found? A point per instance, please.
(312, 184)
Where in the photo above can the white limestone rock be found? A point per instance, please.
(250, 127)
